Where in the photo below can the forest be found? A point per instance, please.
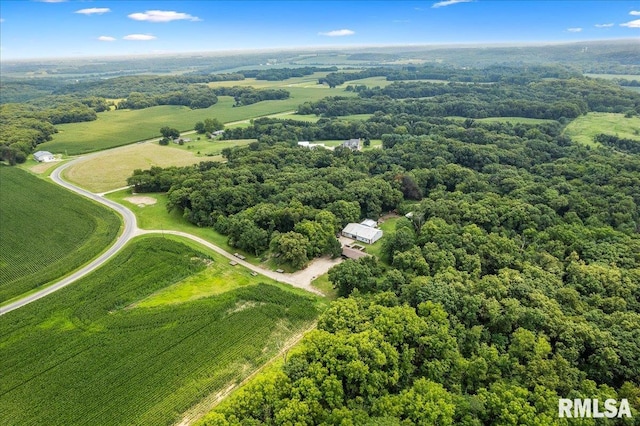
(514, 280)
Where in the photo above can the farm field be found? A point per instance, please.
(34, 211)
(109, 170)
(584, 128)
(109, 360)
(121, 127)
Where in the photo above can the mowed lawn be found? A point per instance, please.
(122, 127)
(584, 128)
(105, 171)
(92, 354)
(46, 232)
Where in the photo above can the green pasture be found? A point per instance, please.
(615, 76)
(91, 353)
(46, 232)
(584, 128)
(512, 120)
(388, 226)
(155, 217)
(211, 147)
(121, 127)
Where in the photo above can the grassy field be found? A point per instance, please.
(155, 217)
(615, 76)
(121, 127)
(46, 232)
(584, 128)
(91, 354)
(109, 170)
(512, 120)
(388, 226)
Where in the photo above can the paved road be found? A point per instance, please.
(301, 279)
(129, 231)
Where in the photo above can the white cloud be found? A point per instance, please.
(51, 1)
(603, 25)
(449, 3)
(162, 16)
(338, 33)
(140, 37)
(106, 38)
(635, 13)
(93, 11)
(574, 30)
(1, 20)
(632, 24)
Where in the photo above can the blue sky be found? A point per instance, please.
(58, 28)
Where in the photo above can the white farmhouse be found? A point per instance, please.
(363, 233)
(43, 156)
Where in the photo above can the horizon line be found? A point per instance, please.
(319, 47)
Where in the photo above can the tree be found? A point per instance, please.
(292, 248)
(350, 275)
(169, 132)
(199, 128)
(212, 124)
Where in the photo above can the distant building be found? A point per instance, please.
(370, 223)
(44, 156)
(353, 144)
(307, 144)
(217, 133)
(363, 233)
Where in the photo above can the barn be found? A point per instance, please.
(363, 233)
(43, 156)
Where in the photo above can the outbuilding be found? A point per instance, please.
(43, 156)
(359, 232)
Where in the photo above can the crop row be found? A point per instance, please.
(107, 362)
(46, 231)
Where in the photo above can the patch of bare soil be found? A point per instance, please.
(141, 201)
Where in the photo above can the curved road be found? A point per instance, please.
(301, 279)
(130, 230)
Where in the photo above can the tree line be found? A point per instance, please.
(514, 282)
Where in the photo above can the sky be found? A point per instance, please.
(31, 29)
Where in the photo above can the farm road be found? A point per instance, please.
(301, 279)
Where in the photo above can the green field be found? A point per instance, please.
(121, 127)
(109, 170)
(615, 76)
(512, 120)
(155, 217)
(584, 128)
(46, 231)
(88, 354)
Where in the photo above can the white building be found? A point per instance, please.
(370, 223)
(363, 233)
(43, 156)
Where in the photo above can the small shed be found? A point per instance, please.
(43, 156)
(370, 223)
(363, 233)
